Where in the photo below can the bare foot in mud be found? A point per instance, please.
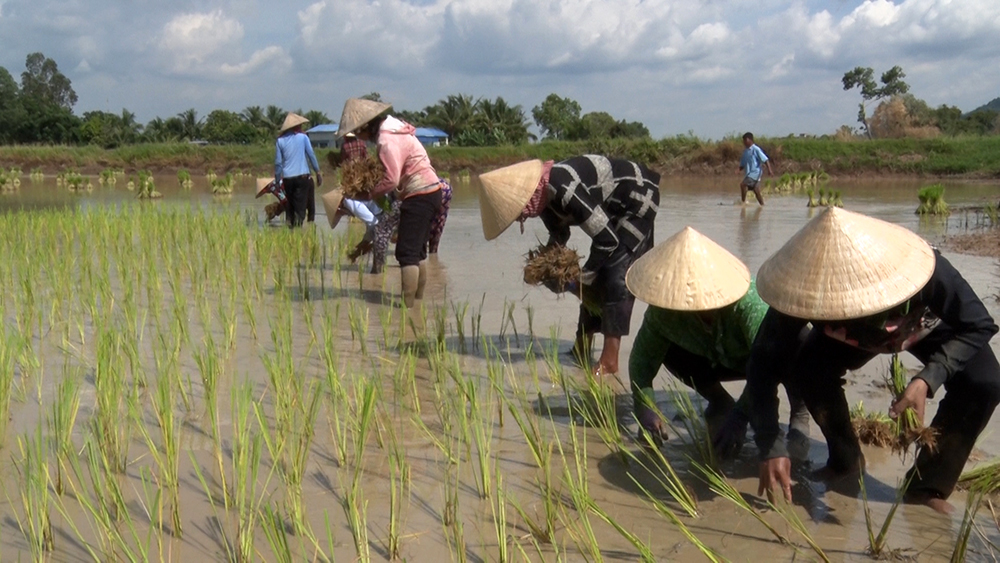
(939, 505)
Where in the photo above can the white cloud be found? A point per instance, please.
(192, 39)
(269, 55)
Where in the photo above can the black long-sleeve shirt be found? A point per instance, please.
(967, 324)
(613, 200)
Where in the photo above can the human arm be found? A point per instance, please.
(361, 211)
(764, 160)
(278, 162)
(949, 296)
(313, 163)
(558, 229)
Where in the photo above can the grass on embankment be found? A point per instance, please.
(945, 156)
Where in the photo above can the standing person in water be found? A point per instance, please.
(410, 176)
(614, 201)
(751, 166)
(702, 319)
(870, 287)
(293, 160)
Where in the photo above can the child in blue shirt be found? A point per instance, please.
(751, 166)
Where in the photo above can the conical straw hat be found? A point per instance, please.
(291, 120)
(331, 203)
(688, 272)
(845, 265)
(262, 184)
(358, 112)
(504, 193)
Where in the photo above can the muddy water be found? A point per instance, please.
(469, 269)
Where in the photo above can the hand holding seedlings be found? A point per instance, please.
(914, 397)
(776, 472)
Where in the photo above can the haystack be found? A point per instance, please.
(554, 265)
(359, 176)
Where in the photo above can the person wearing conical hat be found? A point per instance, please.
(870, 287)
(267, 186)
(614, 201)
(293, 160)
(410, 176)
(701, 322)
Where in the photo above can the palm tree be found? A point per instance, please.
(452, 114)
(316, 117)
(157, 131)
(130, 129)
(274, 116)
(190, 124)
(501, 121)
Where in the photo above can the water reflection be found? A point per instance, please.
(749, 230)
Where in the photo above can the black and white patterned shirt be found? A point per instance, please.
(614, 201)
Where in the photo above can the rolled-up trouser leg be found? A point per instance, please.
(818, 374)
(415, 216)
(437, 227)
(971, 396)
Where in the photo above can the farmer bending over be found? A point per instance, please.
(614, 201)
(702, 318)
(871, 287)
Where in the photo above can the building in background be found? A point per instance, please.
(323, 136)
(431, 137)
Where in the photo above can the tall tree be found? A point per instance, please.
(557, 117)
(42, 80)
(10, 107)
(864, 77)
(373, 96)
(275, 117)
(452, 114)
(316, 117)
(190, 124)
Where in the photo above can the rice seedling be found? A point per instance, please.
(454, 529)
(294, 471)
(787, 511)
(166, 455)
(7, 356)
(399, 486)
(693, 420)
(184, 179)
(460, 310)
(600, 412)
(722, 487)
(353, 502)
(664, 510)
(575, 479)
(645, 553)
(359, 176)
(985, 478)
(33, 474)
(111, 434)
(359, 325)
(877, 542)
(932, 200)
(552, 265)
(108, 177)
(910, 429)
(61, 422)
(873, 428)
(498, 506)
(972, 504)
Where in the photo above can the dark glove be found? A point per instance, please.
(728, 441)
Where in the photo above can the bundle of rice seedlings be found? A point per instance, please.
(932, 200)
(909, 429)
(873, 428)
(359, 176)
(984, 478)
(552, 266)
(274, 209)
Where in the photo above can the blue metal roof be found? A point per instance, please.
(431, 132)
(325, 128)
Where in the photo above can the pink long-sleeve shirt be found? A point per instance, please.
(408, 169)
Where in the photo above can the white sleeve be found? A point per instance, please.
(361, 211)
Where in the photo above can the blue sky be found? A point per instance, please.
(713, 67)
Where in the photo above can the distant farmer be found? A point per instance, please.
(410, 176)
(614, 201)
(870, 287)
(267, 186)
(751, 166)
(701, 322)
(352, 148)
(293, 160)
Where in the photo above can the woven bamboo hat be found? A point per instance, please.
(844, 265)
(688, 272)
(291, 120)
(331, 203)
(357, 112)
(263, 185)
(504, 193)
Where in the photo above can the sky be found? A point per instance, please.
(707, 67)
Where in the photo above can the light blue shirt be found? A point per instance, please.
(751, 162)
(293, 156)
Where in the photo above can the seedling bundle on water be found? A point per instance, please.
(554, 265)
(359, 176)
(932, 200)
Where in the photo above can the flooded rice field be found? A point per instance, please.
(180, 382)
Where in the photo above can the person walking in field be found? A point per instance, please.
(751, 166)
(293, 160)
(410, 176)
(870, 287)
(614, 201)
(702, 319)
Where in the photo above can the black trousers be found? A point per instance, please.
(971, 395)
(416, 214)
(615, 318)
(300, 191)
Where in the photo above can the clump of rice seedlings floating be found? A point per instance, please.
(223, 185)
(146, 186)
(184, 179)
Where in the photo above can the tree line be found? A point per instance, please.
(40, 110)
